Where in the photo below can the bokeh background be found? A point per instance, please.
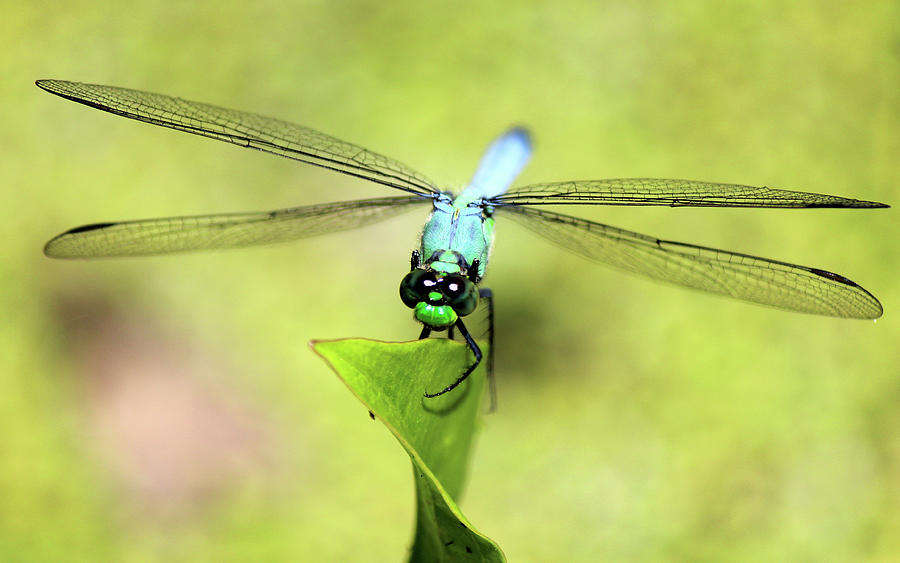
(169, 409)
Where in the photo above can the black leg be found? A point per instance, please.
(488, 296)
(425, 332)
(475, 350)
(414, 260)
(450, 333)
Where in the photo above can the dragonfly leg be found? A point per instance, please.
(450, 333)
(425, 332)
(414, 260)
(488, 296)
(473, 271)
(475, 350)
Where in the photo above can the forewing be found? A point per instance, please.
(768, 282)
(245, 129)
(207, 232)
(673, 193)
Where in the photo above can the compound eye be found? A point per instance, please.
(453, 286)
(460, 292)
(416, 286)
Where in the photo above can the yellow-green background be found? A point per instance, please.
(169, 409)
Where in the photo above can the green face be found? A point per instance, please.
(438, 299)
(435, 316)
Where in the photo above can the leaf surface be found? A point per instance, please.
(390, 380)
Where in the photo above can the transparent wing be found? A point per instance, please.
(673, 193)
(246, 130)
(207, 232)
(768, 282)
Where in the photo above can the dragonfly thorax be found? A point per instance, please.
(447, 262)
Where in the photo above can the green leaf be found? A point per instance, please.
(390, 380)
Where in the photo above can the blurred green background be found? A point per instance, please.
(168, 409)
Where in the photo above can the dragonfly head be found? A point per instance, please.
(438, 299)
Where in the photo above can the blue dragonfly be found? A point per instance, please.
(443, 283)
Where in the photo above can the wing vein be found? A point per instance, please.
(742, 276)
(245, 129)
(670, 192)
(227, 230)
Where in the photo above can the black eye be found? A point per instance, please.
(453, 286)
(416, 286)
(461, 294)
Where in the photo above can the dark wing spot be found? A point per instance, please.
(833, 276)
(91, 227)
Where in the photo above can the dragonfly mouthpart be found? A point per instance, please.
(436, 317)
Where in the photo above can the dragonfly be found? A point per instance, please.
(443, 284)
